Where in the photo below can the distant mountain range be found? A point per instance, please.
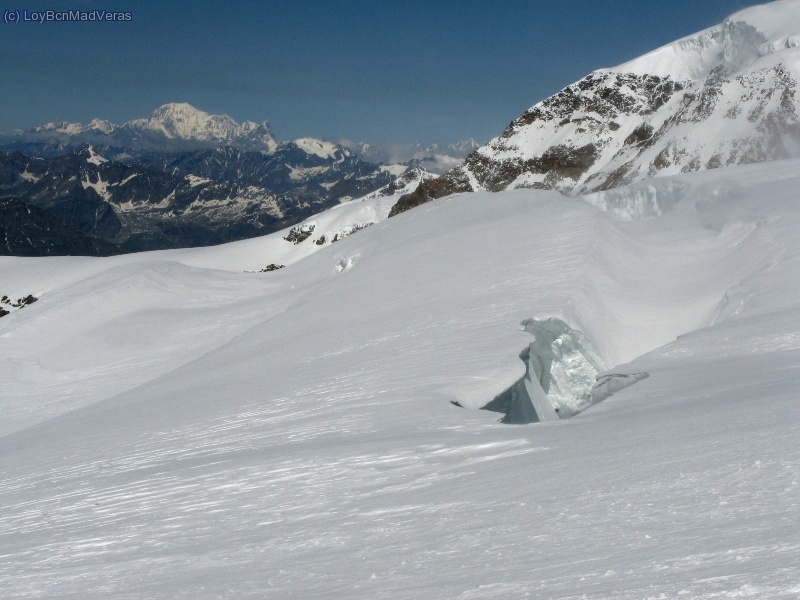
(177, 127)
(180, 127)
(180, 177)
(724, 96)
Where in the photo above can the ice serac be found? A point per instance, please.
(561, 369)
(726, 95)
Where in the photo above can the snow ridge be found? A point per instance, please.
(724, 96)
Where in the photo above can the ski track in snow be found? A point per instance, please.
(175, 430)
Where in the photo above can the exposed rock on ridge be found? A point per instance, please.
(724, 96)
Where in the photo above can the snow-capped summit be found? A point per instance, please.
(96, 126)
(174, 127)
(101, 126)
(321, 148)
(59, 127)
(463, 148)
(723, 96)
(182, 121)
(735, 45)
(406, 183)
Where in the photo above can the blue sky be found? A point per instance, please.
(373, 70)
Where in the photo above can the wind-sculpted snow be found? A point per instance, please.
(643, 200)
(175, 428)
(611, 383)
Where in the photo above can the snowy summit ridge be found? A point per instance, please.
(735, 44)
(723, 96)
(177, 126)
(183, 121)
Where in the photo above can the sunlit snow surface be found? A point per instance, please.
(176, 428)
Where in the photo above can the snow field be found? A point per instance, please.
(290, 434)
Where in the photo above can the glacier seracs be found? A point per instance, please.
(561, 369)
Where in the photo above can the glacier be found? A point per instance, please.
(173, 427)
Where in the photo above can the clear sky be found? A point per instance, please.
(374, 70)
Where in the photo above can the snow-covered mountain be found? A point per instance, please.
(97, 126)
(174, 127)
(255, 183)
(174, 427)
(192, 199)
(726, 95)
(266, 184)
(182, 121)
(237, 181)
(179, 127)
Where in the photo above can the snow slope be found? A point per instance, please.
(176, 428)
(738, 43)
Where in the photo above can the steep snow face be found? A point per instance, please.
(731, 47)
(727, 95)
(734, 45)
(173, 427)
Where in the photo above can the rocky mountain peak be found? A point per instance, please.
(723, 96)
